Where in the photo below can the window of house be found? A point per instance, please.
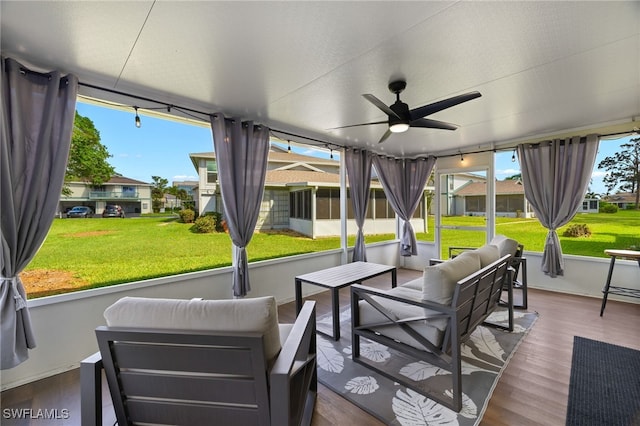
(212, 171)
(129, 192)
(383, 209)
(328, 204)
(300, 204)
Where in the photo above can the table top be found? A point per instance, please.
(346, 274)
(630, 254)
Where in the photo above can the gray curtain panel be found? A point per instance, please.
(403, 182)
(359, 173)
(556, 176)
(37, 121)
(241, 151)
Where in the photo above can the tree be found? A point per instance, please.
(157, 192)
(514, 177)
(87, 156)
(623, 169)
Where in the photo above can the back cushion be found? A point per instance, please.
(258, 314)
(488, 254)
(440, 280)
(505, 245)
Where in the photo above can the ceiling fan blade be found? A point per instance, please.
(423, 111)
(356, 125)
(432, 124)
(385, 136)
(377, 102)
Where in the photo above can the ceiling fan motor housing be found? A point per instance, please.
(402, 111)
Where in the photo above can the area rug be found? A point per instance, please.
(604, 388)
(485, 356)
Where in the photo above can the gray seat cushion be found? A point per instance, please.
(257, 314)
(430, 329)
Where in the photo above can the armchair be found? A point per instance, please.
(192, 361)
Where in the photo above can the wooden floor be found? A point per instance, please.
(533, 390)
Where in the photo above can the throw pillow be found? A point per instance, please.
(488, 254)
(440, 280)
(505, 245)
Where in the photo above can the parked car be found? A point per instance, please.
(113, 210)
(80, 211)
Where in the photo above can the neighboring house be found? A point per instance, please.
(302, 193)
(510, 199)
(590, 205)
(622, 199)
(449, 184)
(132, 195)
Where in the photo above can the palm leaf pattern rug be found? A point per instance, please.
(484, 356)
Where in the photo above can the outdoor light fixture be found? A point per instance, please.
(331, 153)
(399, 127)
(513, 157)
(461, 158)
(138, 123)
(289, 146)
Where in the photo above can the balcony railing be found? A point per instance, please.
(94, 195)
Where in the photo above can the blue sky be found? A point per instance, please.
(161, 148)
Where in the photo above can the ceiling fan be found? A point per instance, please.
(401, 117)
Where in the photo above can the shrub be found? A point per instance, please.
(187, 215)
(204, 224)
(217, 217)
(608, 208)
(577, 230)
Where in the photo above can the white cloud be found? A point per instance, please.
(185, 177)
(598, 174)
(507, 172)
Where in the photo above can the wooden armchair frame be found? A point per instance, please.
(474, 299)
(193, 377)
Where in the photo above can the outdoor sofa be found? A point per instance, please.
(429, 318)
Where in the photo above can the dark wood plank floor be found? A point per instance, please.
(532, 391)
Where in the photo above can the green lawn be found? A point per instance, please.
(100, 252)
(619, 230)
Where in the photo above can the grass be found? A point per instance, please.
(102, 252)
(618, 230)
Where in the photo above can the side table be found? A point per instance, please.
(620, 291)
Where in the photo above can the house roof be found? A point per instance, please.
(291, 177)
(503, 187)
(621, 197)
(306, 178)
(121, 180)
(544, 68)
(276, 157)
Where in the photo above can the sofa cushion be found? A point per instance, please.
(488, 254)
(431, 328)
(440, 280)
(258, 314)
(505, 245)
(414, 284)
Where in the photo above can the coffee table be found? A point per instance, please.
(339, 277)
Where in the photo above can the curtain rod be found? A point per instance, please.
(191, 110)
(293, 135)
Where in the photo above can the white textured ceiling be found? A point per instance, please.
(542, 67)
